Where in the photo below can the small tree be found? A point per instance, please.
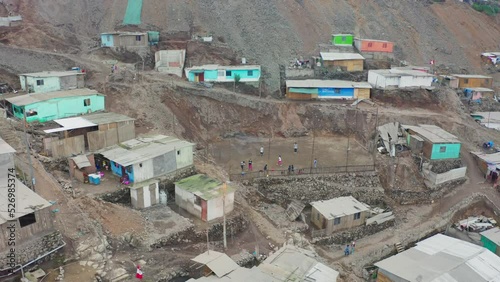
(237, 78)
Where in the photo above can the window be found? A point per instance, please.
(39, 82)
(250, 73)
(86, 102)
(466, 81)
(178, 153)
(442, 149)
(336, 221)
(370, 44)
(344, 38)
(337, 90)
(137, 38)
(129, 169)
(317, 216)
(357, 215)
(31, 113)
(228, 73)
(197, 200)
(384, 45)
(26, 220)
(140, 165)
(221, 73)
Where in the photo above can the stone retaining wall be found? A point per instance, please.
(347, 236)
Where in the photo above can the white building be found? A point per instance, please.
(441, 258)
(170, 61)
(204, 197)
(396, 78)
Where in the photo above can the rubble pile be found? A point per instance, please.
(476, 224)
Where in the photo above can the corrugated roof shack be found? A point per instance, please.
(124, 39)
(95, 131)
(203, 197)
(491, 240)
(43, 107)
(441, 258)
(81, 166)
(49, 81)
(486, 160)
(310, 89)
(437, 143)
(339, 213)
(470, 81)
(33, 220)
(346, 61)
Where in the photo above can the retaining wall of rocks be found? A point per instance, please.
(347, 236)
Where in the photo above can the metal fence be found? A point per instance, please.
(246, 175)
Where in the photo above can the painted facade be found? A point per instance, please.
(371, 45)
(479, 93)
(470, 81)
(45, 107)
(393, 78)
(216, 73)
(203, 197)
(346, 61)
(437, 143)
(491, 240)
(342, 39)
(44, 82)
(310, 89)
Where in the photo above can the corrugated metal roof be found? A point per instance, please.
(338, 207)
(493, 235)
(105, 118)
(81, 161)
(470, 76)
(480, 89)
(27, 201)
(29, 99)
(219, 67)
(400, 72)
(433, 133)
(143, 148)
(5, 148)
(443, 258)
(371, 40)
(52, 73)
(203, 186)
(492, 54)
(123, 33)
(87, 121)
(331, 56)
(489, 158)
(219, 263)
(318, 83)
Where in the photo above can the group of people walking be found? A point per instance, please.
(349, 249)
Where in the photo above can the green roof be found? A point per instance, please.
(203, 186)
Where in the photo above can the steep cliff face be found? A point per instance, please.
(272, 32)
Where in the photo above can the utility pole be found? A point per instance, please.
(312, 154)
(208, 243)
(224, 187)
(260, 89)
(28, 151)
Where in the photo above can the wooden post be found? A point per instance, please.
(224, 188)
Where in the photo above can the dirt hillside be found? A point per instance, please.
(270, 32)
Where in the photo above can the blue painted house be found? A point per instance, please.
(216, 73)
(124, 39)
(43, 107)
(435, 143)
(310, 89)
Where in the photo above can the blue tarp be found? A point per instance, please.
(133, 12)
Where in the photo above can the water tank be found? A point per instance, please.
(153, 37)
(244, 61)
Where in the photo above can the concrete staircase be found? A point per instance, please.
(399, 247)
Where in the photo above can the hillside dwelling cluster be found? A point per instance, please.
(127, 39)
(477, 93)
(289, 263)
(204, 197)
(345, 61)
(142, 162)
(469, 81)
(432, 142)
(311, 89)
(36, 235)
(338, 214)
(491, 240)
(441, 258)
(50, 81)
(369, 48)
(43, 107)
(91, 132)
(216, 73)
(170, 61)
(399, 78)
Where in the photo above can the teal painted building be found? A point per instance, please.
(216, 73)
(491, 240)
(435, 143)
(342, 39)
(50, 81)
(55, 105)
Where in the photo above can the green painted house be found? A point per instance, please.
(50, 81)
(342, 39)
(433, 142)
(491, 240)
(44, 107)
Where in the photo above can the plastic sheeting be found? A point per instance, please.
(133, 12)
